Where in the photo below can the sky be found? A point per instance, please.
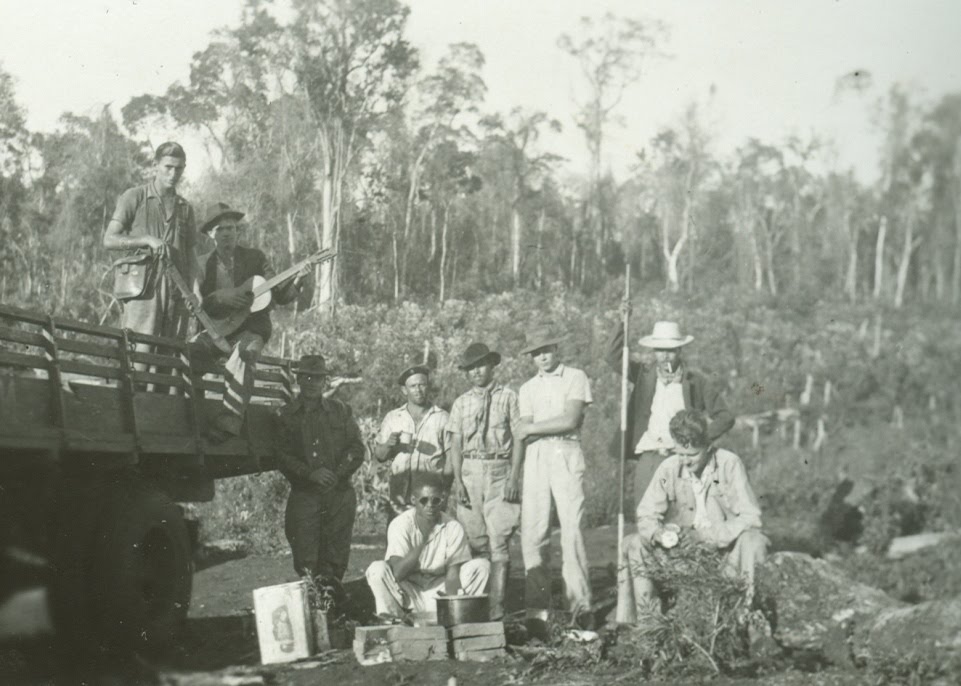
(764, 69)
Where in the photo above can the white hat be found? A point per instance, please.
(666, 335)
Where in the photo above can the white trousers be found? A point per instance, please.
(555, 469)
(418, 592)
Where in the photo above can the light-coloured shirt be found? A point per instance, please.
(447, 544)
(485, 419)
(729, 504)
(545, 395)
(428, 445)
(668, 400)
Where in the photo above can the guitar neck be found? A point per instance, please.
(272, 282)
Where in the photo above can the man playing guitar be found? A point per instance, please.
(226, 275)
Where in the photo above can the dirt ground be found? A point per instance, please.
(220, 645)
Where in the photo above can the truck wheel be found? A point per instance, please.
(141, 571)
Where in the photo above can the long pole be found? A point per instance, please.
(625, 365)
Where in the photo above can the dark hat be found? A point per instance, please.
(477, 353)
(540, 337)
(311, 364)
(411, 371)
(217, 211)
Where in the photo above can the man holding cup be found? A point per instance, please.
(413, 438)
(699, 493)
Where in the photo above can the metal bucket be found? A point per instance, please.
(463, 609)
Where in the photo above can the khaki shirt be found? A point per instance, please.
(545, 396)
(729, 503)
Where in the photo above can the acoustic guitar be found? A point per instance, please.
(260, 288)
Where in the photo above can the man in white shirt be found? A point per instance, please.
(427, 554)
(552, 406)
(413, 437)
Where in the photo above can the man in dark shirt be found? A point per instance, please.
(320, 451)
(223, 273)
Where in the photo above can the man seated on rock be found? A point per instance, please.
(427, 554)
(700, 493)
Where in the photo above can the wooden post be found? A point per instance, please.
(623, 612)
(52, 354)
(127, 394)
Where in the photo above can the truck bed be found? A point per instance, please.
(69, 391)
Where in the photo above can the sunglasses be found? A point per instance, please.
(433, 500)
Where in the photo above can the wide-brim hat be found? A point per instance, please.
(477, 353)
(311, 364)
(411, 371)
(666, 335)
(216, 212)
(541, 337)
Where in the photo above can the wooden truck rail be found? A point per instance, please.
(70, 388)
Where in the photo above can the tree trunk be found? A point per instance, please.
(540, 250)
(956, 266)
(291, 236)
(396, 258)
(879, 258)
(443, 253)
(325, 238)
(851, 277)
(905, 263)
(515, 244)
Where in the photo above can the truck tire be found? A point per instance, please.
(141, 571)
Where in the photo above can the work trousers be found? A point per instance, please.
(238, 375)
(418, 592)
(555, 469)
(636, 592)
(490, 521)
(318, 526)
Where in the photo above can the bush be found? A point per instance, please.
(703, 629)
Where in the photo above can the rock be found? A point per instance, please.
(929, 632)
(908, 545)
(813, 604)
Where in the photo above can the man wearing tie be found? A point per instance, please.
(487, 465)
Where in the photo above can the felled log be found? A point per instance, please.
(902, 546)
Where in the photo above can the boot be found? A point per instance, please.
(500, 573)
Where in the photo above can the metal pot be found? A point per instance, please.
(462, 609)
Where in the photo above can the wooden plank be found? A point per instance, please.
(87, 348)
(97, 442)
(14, 335)
(260, 392)
(263, 375)
(21, 315)
(477, 629)
(170, 343)
(95, 407)
(90, 369)
(83, 327)
(480, 655)
(170, 361)
(417, 633)
(158, 379)
(22, 360)
(207, 385)
(479, 642)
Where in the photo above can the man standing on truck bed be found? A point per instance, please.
(154, 218)
(223, 273)
(321, 448)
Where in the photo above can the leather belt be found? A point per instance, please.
(475, 455)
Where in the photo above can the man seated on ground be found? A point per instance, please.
(699, 492)
(427, 554)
